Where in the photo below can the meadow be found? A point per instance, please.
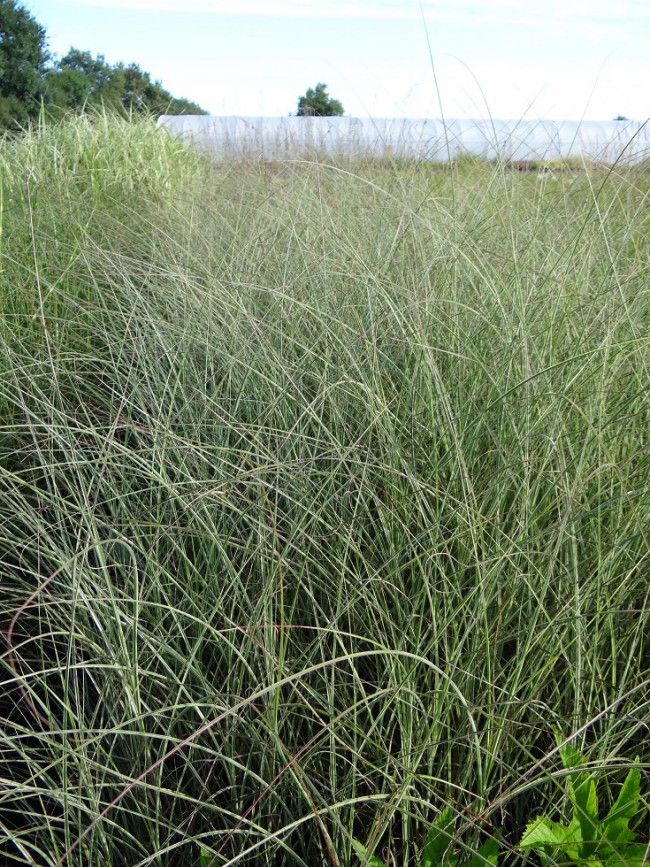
(324, 501)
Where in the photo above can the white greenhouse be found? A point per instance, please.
(233, 138)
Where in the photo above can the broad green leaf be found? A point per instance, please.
(551, 838)
(625, 856)
(571, 758)
(625, 807)
(444, 818)
(582, 793)
(488, 853)
(362, 854)
(573, 829)
(545, 833)
(616, 831)
(437, 841)
(585, 840)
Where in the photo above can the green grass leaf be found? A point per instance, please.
(312, 468)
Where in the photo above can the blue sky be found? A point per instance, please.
(556, 59)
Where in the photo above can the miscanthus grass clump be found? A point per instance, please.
(324, 501)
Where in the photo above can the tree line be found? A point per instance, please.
(32, 80)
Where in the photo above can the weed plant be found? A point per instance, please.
(324, 501)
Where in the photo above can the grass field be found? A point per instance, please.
(324, 500)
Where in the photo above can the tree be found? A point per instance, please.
(23, 61)
(141, 94)
(318, 103)
(76, 81)
(94, 68)
(79, 81)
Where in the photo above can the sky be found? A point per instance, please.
(509, 59)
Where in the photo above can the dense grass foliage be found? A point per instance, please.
(324, 500)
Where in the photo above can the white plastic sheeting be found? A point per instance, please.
(270, 138)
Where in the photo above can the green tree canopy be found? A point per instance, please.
(75, 82)
(142, 94)
(318, 103)
(23, 61)
(80, 80)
